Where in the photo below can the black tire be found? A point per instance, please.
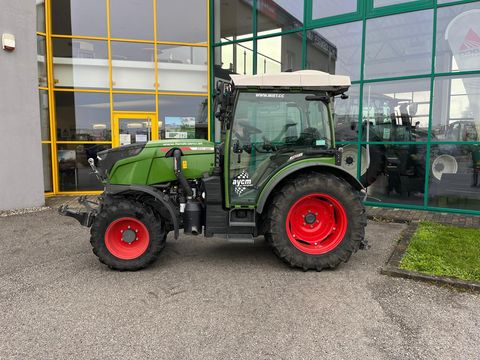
(298, 188)
(114, 209)
(377, 165)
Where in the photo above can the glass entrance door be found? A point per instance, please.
(132, 128)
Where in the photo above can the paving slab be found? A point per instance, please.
(208, 299)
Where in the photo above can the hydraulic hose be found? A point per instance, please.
(177, 168)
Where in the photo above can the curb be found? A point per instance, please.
(405, 216)
(388, 219)
(391, 268)
(8, 213)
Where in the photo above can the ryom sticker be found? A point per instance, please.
(241, 182)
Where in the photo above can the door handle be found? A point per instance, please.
(237, 149)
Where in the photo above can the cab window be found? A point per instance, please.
(267, 129)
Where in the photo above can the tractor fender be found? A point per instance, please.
(162, 198)
(333, 169)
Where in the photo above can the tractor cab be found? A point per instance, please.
(274, 120)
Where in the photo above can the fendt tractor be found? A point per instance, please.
(276, 173)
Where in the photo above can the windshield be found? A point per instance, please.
(283, 119)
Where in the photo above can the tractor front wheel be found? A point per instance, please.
(316, 221)
(126, 235)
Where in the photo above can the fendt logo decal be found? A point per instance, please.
(471, 44)
(241, 182)
(296, 156)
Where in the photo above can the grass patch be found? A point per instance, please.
(444, 250)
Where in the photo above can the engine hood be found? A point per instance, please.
(107, 159)
(188, 147)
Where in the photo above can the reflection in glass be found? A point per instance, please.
(133, 67)
(458, 38)
(336, 49)
(131, 19)
(372, 157)
(134, 102)
(74, 172)
(399, 45)
(235, 58)
(345, 115)
(44, 118)
(133, 131)
(233, 20)
(80, 63)
(182, 68)
(326, 8)
(79, 17)
(192, 27)
(47, 167)
(40, 15)
(182, 117)
(402, 179)
(82, 116)
(454, 176)
(266, 132)
(456, 109)
(380, 3)
(41, 63)
(396, 111)
(278, 15)
(279, 53)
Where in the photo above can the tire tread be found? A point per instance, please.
(278, 207)
(111, 209)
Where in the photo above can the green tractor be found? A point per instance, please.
(275, 173)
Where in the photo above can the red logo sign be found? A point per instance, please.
(472, 41)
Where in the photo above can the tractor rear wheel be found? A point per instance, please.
(316, 221)
(126, 235)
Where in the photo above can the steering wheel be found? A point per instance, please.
(266, 147)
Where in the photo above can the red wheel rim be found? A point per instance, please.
(127, 238)
(316, 223)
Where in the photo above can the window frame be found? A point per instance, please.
(288, 31)
(454, 2)
(372, 11)
(332, 20)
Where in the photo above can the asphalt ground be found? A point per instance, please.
(208, 299)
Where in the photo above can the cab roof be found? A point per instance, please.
(305, 79)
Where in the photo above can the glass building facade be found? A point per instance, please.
(114, 72)
(118, 71)
(410, 129)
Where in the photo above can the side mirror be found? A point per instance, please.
(219, 90)
(218, 85)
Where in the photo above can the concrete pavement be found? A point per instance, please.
(207, 299)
